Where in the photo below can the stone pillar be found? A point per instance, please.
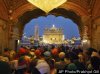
(3, 35)
(96, 34)
(86, 37)
(13, 35)
(85, 40)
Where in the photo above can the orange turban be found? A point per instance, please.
(22, 51)
(37, 52)
(54, 51)
(61, 55)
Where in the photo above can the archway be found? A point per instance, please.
(70, 29)
(68, 10)
(26, 17)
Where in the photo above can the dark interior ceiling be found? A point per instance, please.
(29, 15)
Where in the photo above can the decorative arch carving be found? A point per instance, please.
(80, 11)
(68, 6)
(76, 8)
(21, 10)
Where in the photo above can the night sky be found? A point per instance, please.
(70, 29)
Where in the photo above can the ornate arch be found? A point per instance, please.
(80, 11)
(68, 6)
(22, 9)
(76, 8)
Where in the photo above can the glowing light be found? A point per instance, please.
(53, 26)
(18, 41)
(47, 5)
(53, 38)
(84, 41)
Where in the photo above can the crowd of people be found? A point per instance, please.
(48, 59)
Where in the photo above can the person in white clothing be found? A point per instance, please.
(42, 65)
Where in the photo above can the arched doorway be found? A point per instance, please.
(26, 17)
(70, 29)
(78, 16)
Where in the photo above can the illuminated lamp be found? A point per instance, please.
(47, 5)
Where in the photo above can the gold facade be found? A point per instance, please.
(53, 35)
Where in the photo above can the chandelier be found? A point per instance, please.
(47, 5)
